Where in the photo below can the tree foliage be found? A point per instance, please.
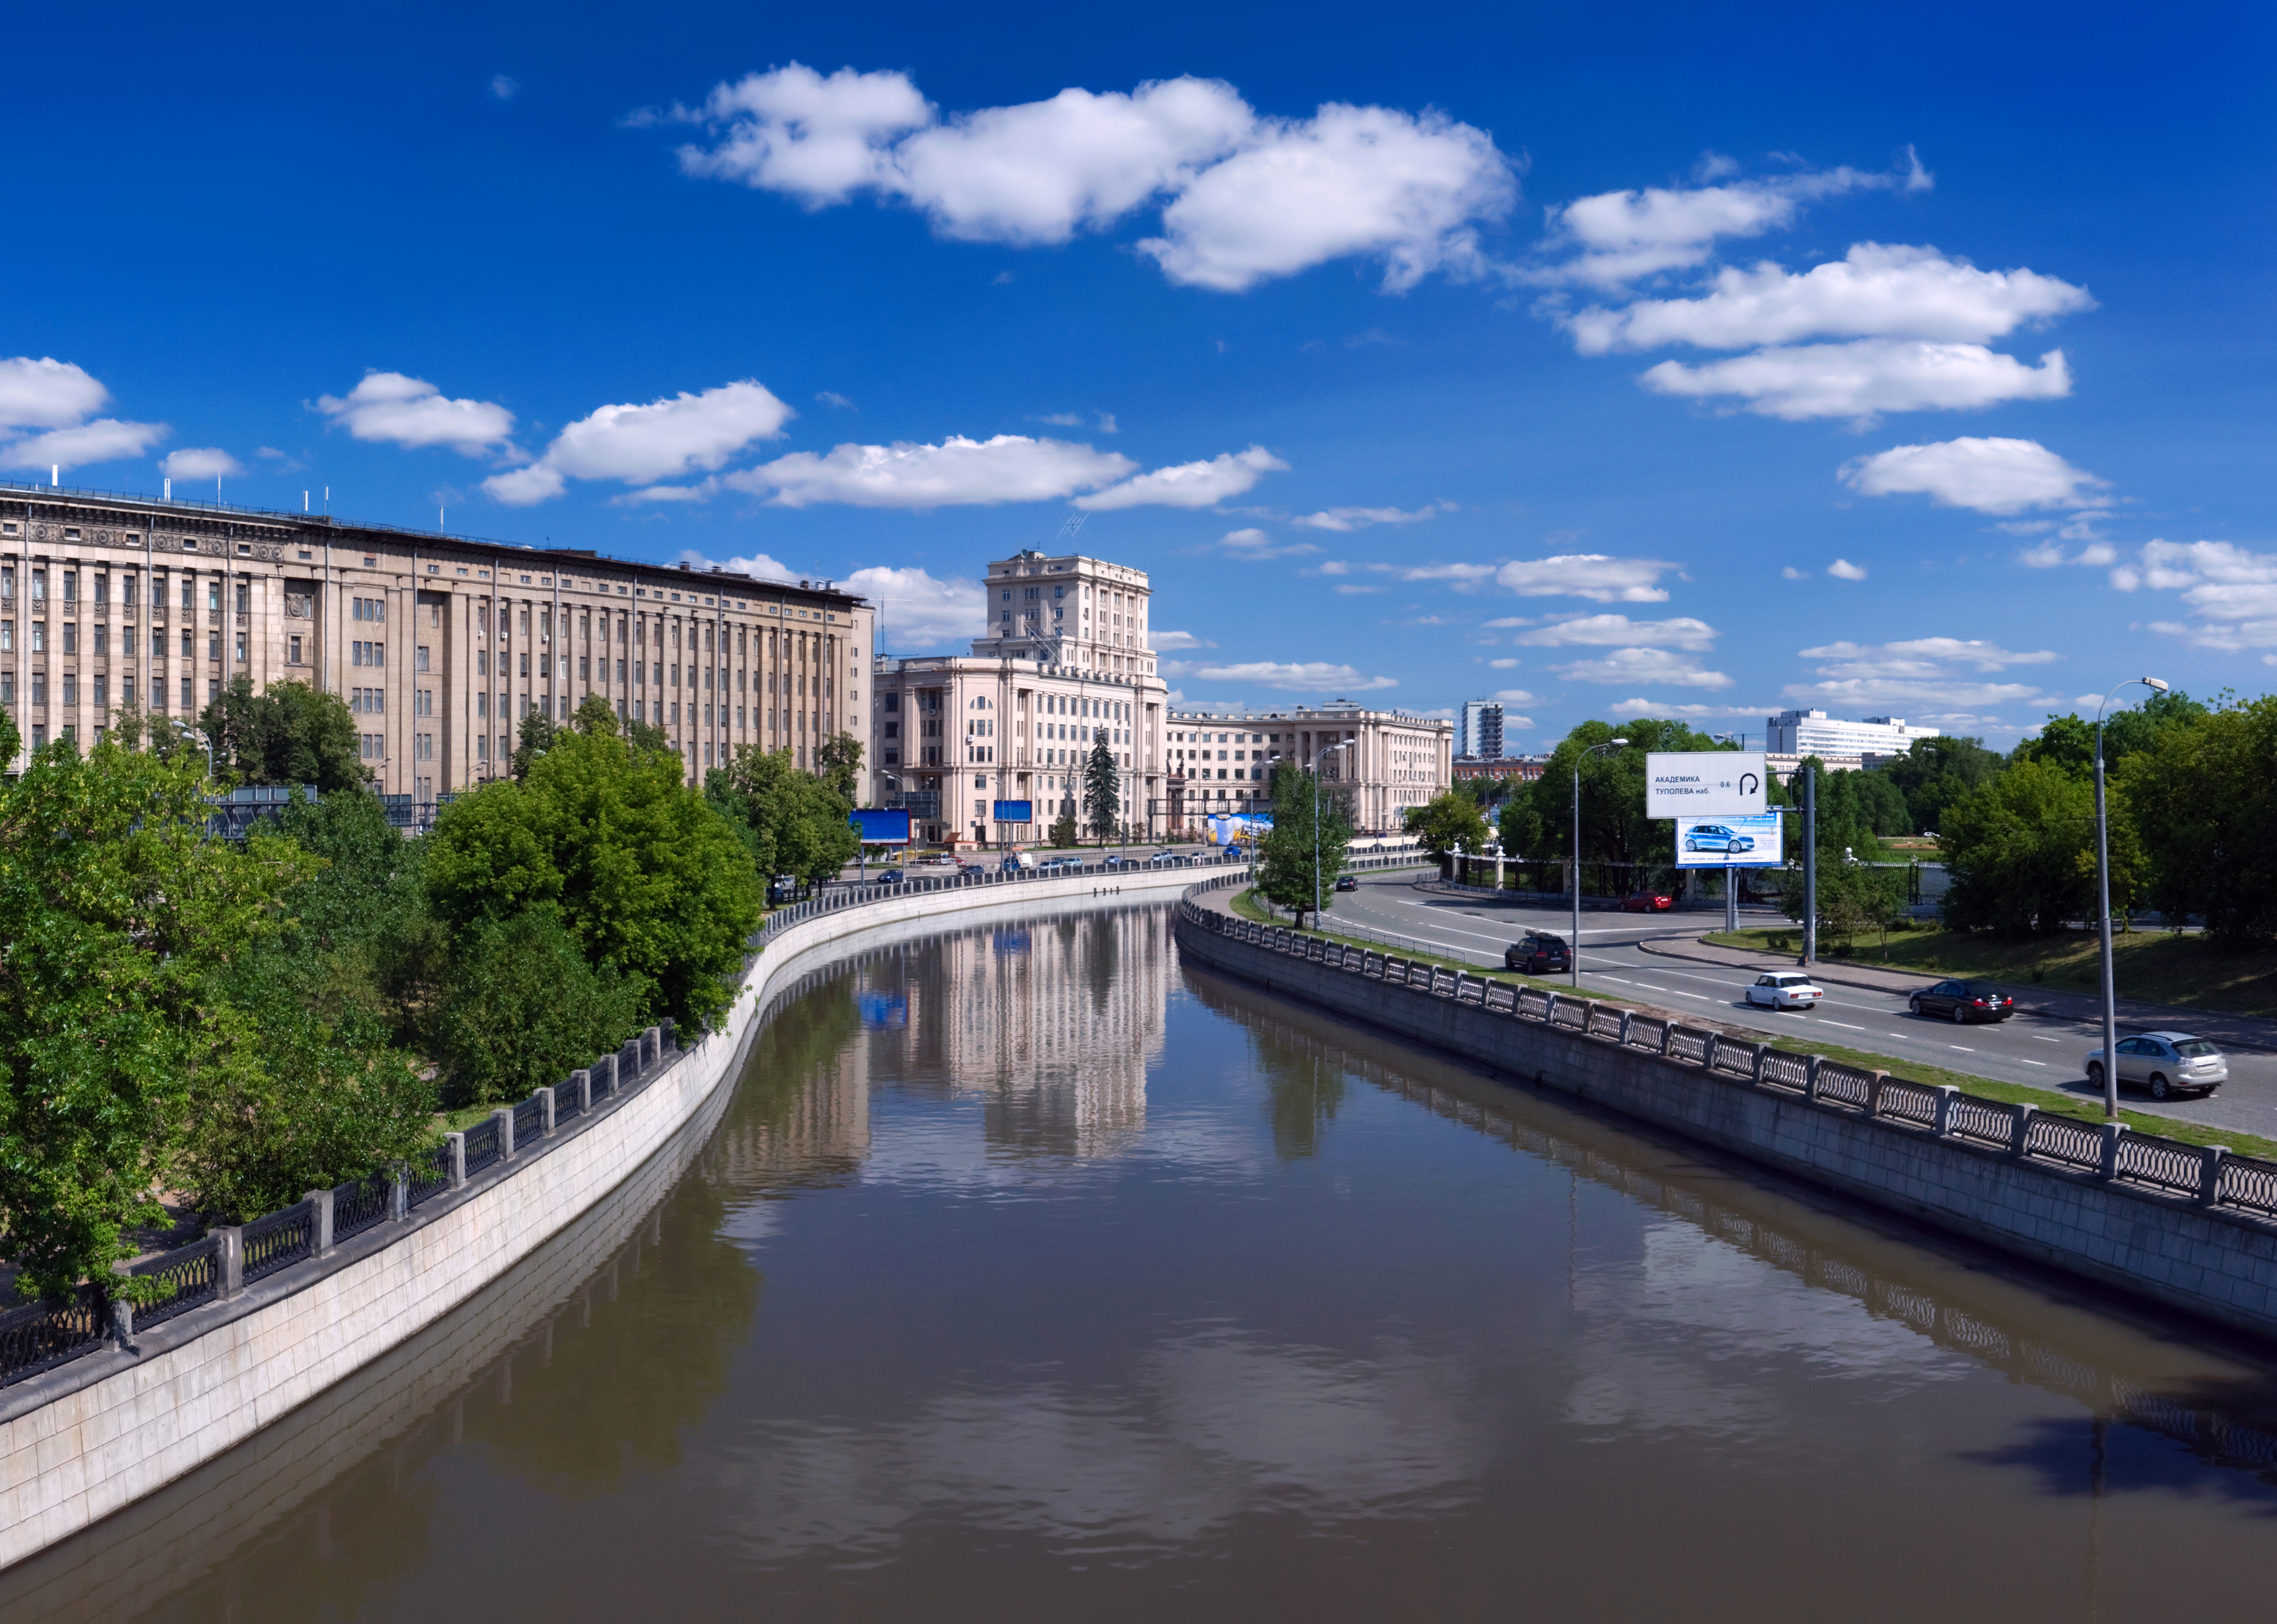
(1102, 788)
(1300, 856)
(2020, 851)
(792, 822)
(290, 733)
(643, 873)
(2200, 800)
(527, 1008)
(1933, 773)
(1537, 821)
(1446, 823)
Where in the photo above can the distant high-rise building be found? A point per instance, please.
(1815, 733)
(1478, 737)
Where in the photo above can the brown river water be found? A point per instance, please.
(1029, 1274)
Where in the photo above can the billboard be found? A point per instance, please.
(1703, 783)
(1747, 841)
(1226, 829)
(877, 825)
(1015, 812)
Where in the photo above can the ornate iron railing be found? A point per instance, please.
(1905, 1102)
(528, 1121)
(359, 1204)
(40, 1336)
(2162, 1163)
(2249, 1184)
(1604, 1023)
(1533, 1004)
(270, 1243)
(1981, 1122)
(191, 1275)
(2059, 1139)
(1845, 1084)
(1688, 1043)
(1782, 1069)
(1735, 1057)
(428, 1175)
(483, 1147)
(567, 1101)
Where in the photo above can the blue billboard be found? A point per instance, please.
(1016, 811)
(877, 825)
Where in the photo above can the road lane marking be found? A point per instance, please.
(2041, 1040)
(2041, 1064)
(1965, 1051)
(1846, 1026)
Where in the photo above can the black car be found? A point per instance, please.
(1347, 882)
(1538, 953)
(1963, 1001)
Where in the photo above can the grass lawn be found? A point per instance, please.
(2157, 965)
(2054, 1102)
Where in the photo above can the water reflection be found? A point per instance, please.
(1028, 1272)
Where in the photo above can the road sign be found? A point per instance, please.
(1703, 783)
(1749, 840)
(881, 827)
(1016, 811)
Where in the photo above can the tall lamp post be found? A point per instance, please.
(188, 732)
(2102, 901)
(1321, 762)
(1573, 957)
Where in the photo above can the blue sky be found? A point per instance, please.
(1615, 361)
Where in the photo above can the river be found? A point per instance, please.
(1030, 1274)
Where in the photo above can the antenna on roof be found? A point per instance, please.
(1072, 528)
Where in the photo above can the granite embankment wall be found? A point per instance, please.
(89, 1436)
(2185, 1227)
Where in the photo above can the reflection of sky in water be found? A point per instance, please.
(1212, 1424)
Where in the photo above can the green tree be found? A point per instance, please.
(1300, 858)
(1852, 898)
(1933, 773)
(644, 873)
(1537, 822)
(119, 920)
(838, 763)
(534, 738)
(290, 733)
(1065, 834)
(526, 1009)
(2201, 807)
(2020, 850)
(2068, 741)
(1446, 823)
(793, 821)
(1102, 788)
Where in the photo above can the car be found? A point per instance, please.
(1347, 882)
(1647, 902)
(1114, 859)
(1538, 953)
(888, 876)
(1960, 1001)
(1716, 837)
(2166, 1064)
(784, 889)
(1060, 865)
(1785, 990)
(1165, 858)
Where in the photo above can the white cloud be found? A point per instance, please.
(1504, 665)
(1252, 542)
(1875, 291)
(1188, 485)
(1041, 173)
(819, 140)
(758, 564)
(1512, 721)
(1916, 701)
(47, 393)
(1920, 657)
(2231, 590)
(2048, 555)
(1641, 707)
(1358, 591)
(1310, 676)
(1931, 679)
(1586, 575)
(391, 408)
(1515, 696)
(1349, 181)
(1165, 642)
(1610, 629)
(1464, 575)
(1248, 199)
(642, 445)
(1843, 569)
(831, 397)
(57, 396)
(1643, 665)
(1346, 519)
(920, 613)
(503, 87)
(1990, 476)
(199, 462)
(1623, 236)
(958, 472)
(1866, 377)
(1793, 574)
(106, 439)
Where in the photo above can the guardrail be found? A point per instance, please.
(2208, 1176)
(41, 1336)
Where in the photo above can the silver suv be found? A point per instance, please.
(2166, 1063)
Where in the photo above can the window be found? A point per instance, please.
(244, 597)
(291, 650)
(70, 689)
(419, 658)
(71, 637)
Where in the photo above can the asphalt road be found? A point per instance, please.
(2025, 1048)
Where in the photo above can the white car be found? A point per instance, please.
(1785, 990)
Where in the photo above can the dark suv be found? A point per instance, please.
(1538, 953)
(1963, 1001)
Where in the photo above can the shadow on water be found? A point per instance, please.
(2207, 1397)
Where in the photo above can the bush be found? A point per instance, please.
(527, 1009)
(1065, 833)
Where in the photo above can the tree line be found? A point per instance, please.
(230, 1023)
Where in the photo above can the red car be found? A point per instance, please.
(1647, 902)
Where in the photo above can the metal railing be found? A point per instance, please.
(43, 1335)
(2209, 1176)
(269, 1244)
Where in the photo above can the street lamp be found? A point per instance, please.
(1317, 765)
(188, 731)
(2103, 901)
(1573, 957)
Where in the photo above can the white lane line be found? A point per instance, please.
(1894, 1034)
(1846, 1026)
(2041, 1064)
(2039, 1039)
(1680, 993)
(1649, 987)
(1965, 1051)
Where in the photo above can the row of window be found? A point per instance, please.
(128, 588)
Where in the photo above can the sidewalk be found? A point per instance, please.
(2236, 1032)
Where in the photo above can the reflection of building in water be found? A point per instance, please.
(802, 1115)
(1052, 1022)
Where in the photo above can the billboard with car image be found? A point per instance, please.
(1749, 840)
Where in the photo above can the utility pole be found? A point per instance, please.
(1810, 864)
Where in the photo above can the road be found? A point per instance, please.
(2028, 1048)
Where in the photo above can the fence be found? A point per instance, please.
(2208, 1176)
(41, 1336)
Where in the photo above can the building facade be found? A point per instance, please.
(1063, 662)
(1392, 761)
(1815, 733)
(439, 644)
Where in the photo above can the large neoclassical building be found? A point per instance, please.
(1063, 661)
(439, 644)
